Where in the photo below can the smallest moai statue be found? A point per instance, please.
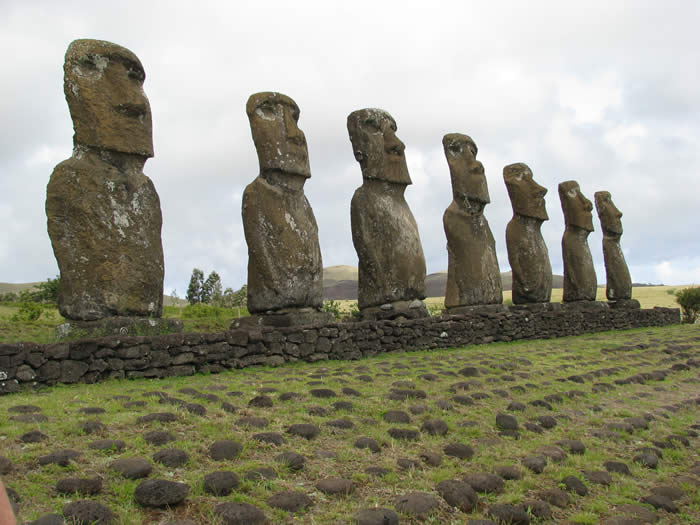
(619, 283)
(580, 283)
(527, 252)
(473, 276)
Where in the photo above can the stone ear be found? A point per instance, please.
(359, 157)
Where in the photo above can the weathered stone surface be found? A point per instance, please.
(103, 213)
(527, 252)
(375, 516)
(285, 270)
(473, 276)
(384, 231)
(240, 514)
(619, 282)
(160, 493)
(580, 282)
(84, 512)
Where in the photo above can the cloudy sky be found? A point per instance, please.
(605, 93)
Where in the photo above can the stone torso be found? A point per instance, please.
(105, 225)
(385, 235)
(285, 268)
(529, 261)
(473, 276)
(619, 282)
(580, 282)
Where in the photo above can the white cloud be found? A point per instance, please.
(590, 98)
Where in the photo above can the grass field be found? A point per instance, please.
(612, 393)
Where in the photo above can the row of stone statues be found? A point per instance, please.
(104, 217)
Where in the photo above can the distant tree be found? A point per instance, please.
(47, 292)
(240, 298)
(211, 289)
(194, 290)
(689, 300)
(227, 298)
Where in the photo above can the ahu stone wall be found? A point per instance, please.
(93, 360)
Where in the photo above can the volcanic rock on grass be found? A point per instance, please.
(220, 483)
(343, 423)
(160, 493)
(369, 443)
(432, 459)
(322, 393)
(552, 452)
(435, 427)
(92, 410)
(318, 411)
(484, 482)
(541, 403)
(538, 509)
(509, 472)
(506, 422)
(573, 484)
(535, 463)
(60, 457)
(305, 430)
(617, 466)
(224, 449)
(675, 439)
(407, 434)
(463, 400)
(378, 472)
(418, 409)
(507, 513)
(622, 520)
(240, 514)
(85, 512)
(556, 497)
(195, 408)
(290, 500)
(86, 486)
(458, 494)
(260, 474)
(396, 416)
(417, 504)
(33, 436)
(171, 457)
(547, 422)
(336, 486)
(647, 459)
(261, 401)
(158, 437)
(401, 394)
(5, 466)
(290, 396)
(572, 445)
(343, 405)
(638, 511)
(291, 460)
(408, 464)
(24, 409)
(161, 417)
(375, 516)
(669, 492)
(481, 522)
(533, 427)
(107, 444)
(132, 468)
(599, 477)
(458, 450)
(273, 438)
(637, 422)
(469, 371)
(442, 404)
(660, 502)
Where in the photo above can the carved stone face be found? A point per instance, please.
(526, 196)
(280, 144)
(576, 207)
(376, 146)
(467, 173)
(608, 214)
(103, 86)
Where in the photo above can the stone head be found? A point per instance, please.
(280, 144)
(526, 196)
(608, 214)
(576, 207)
(467, 173)
(376, 146)
(103, 83)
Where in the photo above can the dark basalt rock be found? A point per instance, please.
(335, 486)
(407, 434)
(556, 497)
(507, 513)
(85, 512)
(484, 482)
(535, 463)
(506, 422)
(435, 427)
(171, 457)
(369, 443)
(617, 466)
(458, 494)
(260, 474)
(305, 430)
(33, 436)
(509, 472)
(573, 484)
(160, 493)
(107, 444)
(375, 516)
(273, 438)
(417, 504)
(158, 437)
(224, 449)
(86, 486)
(240, 514)
(291, 501)
(132, 468)
(60, 457)
(220, 483)
(458, 450)
(261, 401)
(292, 460)
(396, 416)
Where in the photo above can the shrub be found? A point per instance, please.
(332, 307)
(28, 311)
(689, 301)
(202, 310)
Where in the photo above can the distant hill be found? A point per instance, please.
(340, 282)
(16, 287)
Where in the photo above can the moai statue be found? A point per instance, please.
(103, 213)
(619, 282)
(384, 231)
(285, 270)
(473, 276)
(527, 252)
(580, 283)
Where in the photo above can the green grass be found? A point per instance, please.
(548, 360)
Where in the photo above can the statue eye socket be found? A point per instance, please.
(88, 62)
(136, 74)
(373, 123)
(455, 148)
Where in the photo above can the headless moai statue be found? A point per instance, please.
(391, 280)
(527, 252)
(619, 282)
(103, 213)
(285, 270)
(473, 276)
(580, 283)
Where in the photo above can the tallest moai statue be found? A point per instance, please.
(103, 213)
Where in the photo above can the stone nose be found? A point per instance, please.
(294, 134)
(392, 144)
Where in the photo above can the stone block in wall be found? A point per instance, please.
(192, 339)
(136, 364)
(237, 337)
(160, 359)
(115, 364)
(219, 351)
(49, 372)
(164, 342)
(291, 349)
(182, 370)
(25, 374)
(35, 359)
(80, 350)
(183, 358)
(133, 352)
(317, 357)
(98, 365)
(9, 386)
(72, 371)
(323, 345)
(296, 337)
(274, 348)
(103, 353)
(311, 336)
(272, 336)
(10, 349)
